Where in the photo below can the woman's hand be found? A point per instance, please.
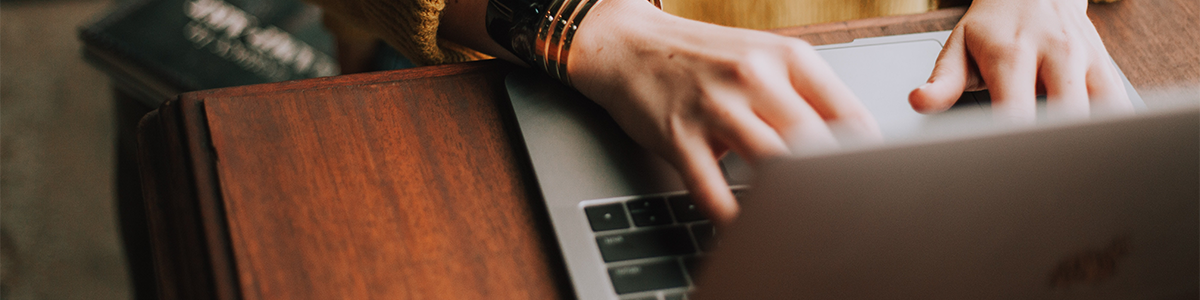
(1018, 49)
(690, 91)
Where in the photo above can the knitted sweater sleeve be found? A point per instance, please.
(409, 26)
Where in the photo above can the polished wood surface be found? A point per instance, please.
(1155, 42)
(389, 189)
(845, 32)
(412, 184)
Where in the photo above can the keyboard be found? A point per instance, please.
(652, 245)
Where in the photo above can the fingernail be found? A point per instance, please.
(923, 86)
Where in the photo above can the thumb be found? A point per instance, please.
(948, 80)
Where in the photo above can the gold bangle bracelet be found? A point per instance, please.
(568, 38)
(556, 32)
(540, 43)
(554, 47)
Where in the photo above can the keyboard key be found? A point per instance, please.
(644, 244)
(649, 212)
(685, 210)
(705, 235)
(646, 277)
(607, 217)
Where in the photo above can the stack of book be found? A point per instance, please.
(156, 49)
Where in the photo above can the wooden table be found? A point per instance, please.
(411, 184)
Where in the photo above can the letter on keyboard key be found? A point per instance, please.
(685, 210)
(644, 244)
(646, 277)
(649, 212)
(607, 217)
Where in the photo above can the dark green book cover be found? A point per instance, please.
(159, 48)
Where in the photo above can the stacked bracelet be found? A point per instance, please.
(539, 32)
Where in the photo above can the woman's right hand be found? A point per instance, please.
(690, 91)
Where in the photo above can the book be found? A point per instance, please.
(156, 49)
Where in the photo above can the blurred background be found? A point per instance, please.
(59, 231)
(75, 77)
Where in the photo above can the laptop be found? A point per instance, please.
(622, 216)
(1106, 209)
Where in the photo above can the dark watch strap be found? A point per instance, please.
(513, 25)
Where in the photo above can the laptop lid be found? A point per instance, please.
(1101, 210)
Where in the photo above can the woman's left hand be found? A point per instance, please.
(1018, 49)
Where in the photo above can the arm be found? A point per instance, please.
(686, 90)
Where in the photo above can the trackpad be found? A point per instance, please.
(882, 75)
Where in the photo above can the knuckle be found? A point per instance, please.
(1061, 43)
(1005, 49)
(711, 107)
(748, 68)
(753, 66)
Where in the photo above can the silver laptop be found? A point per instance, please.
(621, 215)
(1107, 209)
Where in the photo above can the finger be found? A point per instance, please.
(801, 127)
(777, 103)
(1106, 89)
(1065, 80)
(948, 80)
(747, 134)
(817, 86)
(1011, 76)
(702, 176)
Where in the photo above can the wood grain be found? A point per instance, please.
(845, 32)
(1155, 42)
(763, 14)
(390, 190)
(411, 184)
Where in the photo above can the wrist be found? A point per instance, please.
(612, 30)
(541, 33)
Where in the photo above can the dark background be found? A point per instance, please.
(57, 218)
